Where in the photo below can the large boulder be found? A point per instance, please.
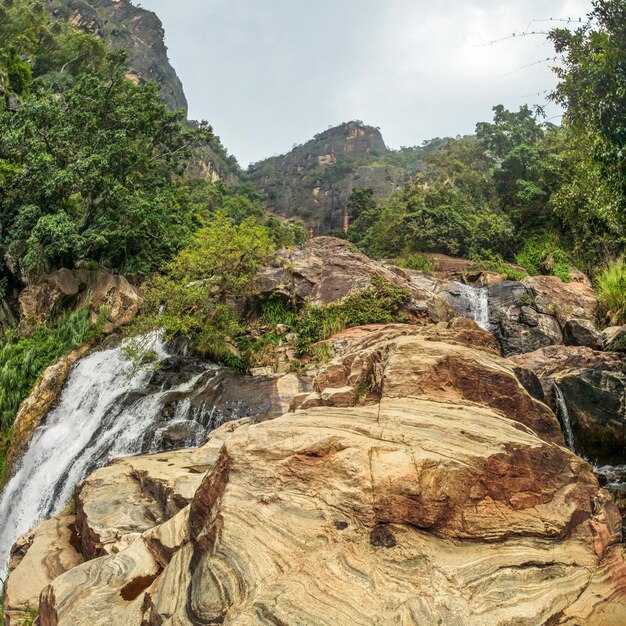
(418, 491)
(593, 385)
(38, 557)
(67, 289)
(542, 311)
(327, 270)
(452, 362)
(551, 296)
(434, 512)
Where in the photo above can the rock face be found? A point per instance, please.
(38, 557)
(594, 388)
(542, 311)
(416, 500)
(73, 289)
(614, 338)
(327, 270)
(123, 24)
(313, 182)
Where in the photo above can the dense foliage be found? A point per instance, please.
(381, 303)
(196, 294)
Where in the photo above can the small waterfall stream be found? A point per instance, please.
(106, 410)
(563, 415)
(472, 302)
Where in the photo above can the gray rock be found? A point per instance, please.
(614, 338)
(578, 332)
(516, 323)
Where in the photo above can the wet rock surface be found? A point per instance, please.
(593, 385)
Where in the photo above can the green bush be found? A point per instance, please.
(275, 312)
(611, 287)
(495, 263)
(196, 294)
(417, 262)
(381, 303)
(544, 256)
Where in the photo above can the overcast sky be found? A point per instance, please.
(270, 73)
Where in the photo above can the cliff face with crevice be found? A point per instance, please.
(121, 24)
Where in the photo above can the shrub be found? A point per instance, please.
(495, 263)
(611, 287)
(275, 312)
(544, 256)
(197, 292)
(381, 303)
(417, 262)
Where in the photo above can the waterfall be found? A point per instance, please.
(105, 411)
(563, 414)
(472, 302)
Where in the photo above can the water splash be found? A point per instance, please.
(563, 414)
(103, 412)
(473, 302)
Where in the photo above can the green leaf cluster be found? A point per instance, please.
(197, 293)
(611, 288)
(381, 303)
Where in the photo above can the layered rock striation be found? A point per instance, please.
(425, 500)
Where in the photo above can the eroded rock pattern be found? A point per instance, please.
(422, 500)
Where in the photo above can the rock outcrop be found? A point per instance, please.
(125, 25)
(71, 289)
(542, 311)
(593, 385)
(421, 501)
(313, 182)
(327, 270)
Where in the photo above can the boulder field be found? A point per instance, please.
(440, 493)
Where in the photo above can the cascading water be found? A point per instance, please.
(472, 302)
(563, 415)
(104, 412)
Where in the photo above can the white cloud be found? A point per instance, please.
(268, 74)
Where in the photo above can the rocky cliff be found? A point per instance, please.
(133, 28)
(313, 182)
(421, 502)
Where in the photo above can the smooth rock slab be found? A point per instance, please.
(408, 512)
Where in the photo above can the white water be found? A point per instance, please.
(474, 304)
(94, 421)
(563, 415)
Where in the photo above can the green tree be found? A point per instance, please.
(91, 172)
(591, 200)
(196, 293)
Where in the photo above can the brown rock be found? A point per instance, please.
(328, 270)
(37, 558)
(575, 300)
(424, 510)
(79, 288)
(454, 362)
